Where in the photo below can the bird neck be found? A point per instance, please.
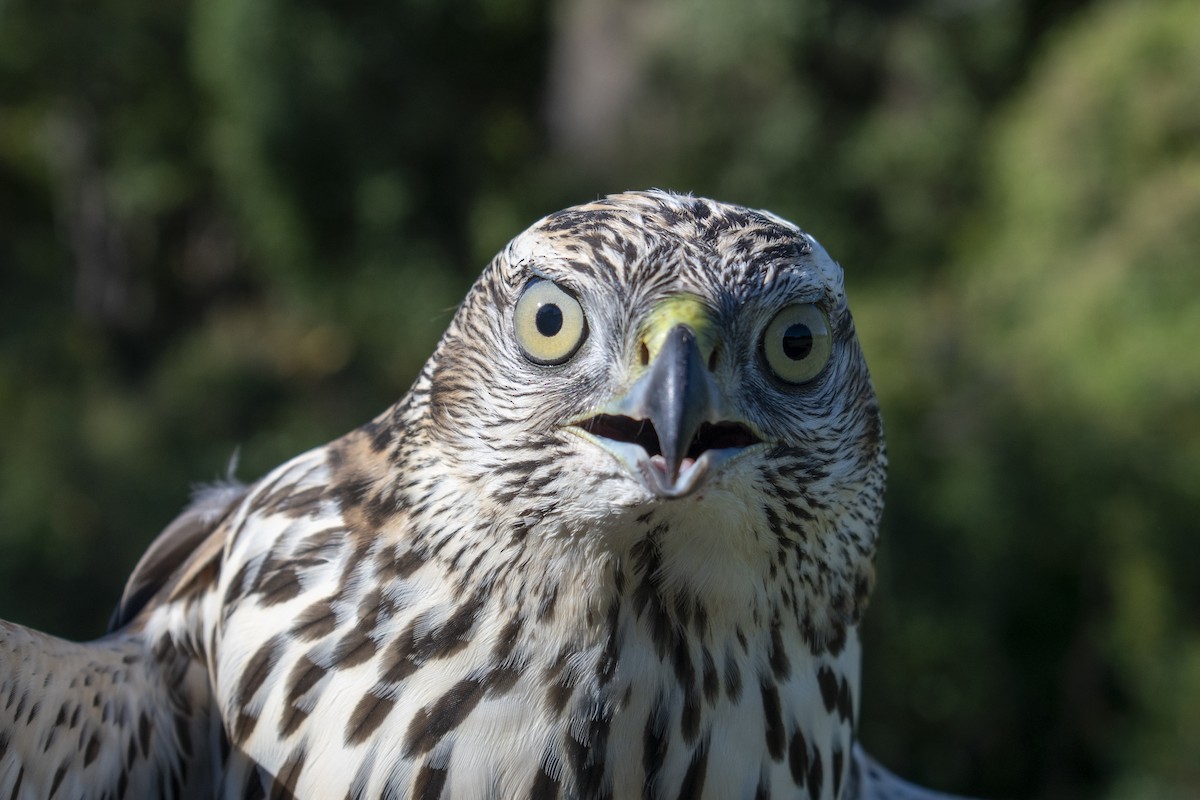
(650, 678)
(634, 658)
(629, 643)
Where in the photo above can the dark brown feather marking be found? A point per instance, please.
(295, 504)
(283, 787)
(838, 762)
(544, 787)
(183, 734)
(654, 746)
(733, 679)
(59, 774)
(507, 640)
(780, 665)
(368, 715)
(845, 702)
(277, 583)
(353, 649)
(816, 775)
(798, 758)
(144, 733)
(253, 787)
(402, 566)
(429, 783)
(315, 622)
(410, 650)
(305, 675)
(430, 724)
(712, 683)
(774, 719)
(585, 755)
(397, 662)
(828, 682)
(692, 787)
(237, 585)
(258, 668)
(689, 718)
(606, 667)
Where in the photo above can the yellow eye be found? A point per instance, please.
(797, 343)
(549, 322)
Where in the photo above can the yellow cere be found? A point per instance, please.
(680, 309)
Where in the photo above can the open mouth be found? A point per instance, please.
(636, 443)
(709, 436)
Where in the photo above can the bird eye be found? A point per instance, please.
(549, 322)
(797, 343)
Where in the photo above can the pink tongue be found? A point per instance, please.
(660, 464)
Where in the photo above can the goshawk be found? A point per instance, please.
(615, 542)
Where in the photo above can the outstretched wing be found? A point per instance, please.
(112, 718)
(130, 715)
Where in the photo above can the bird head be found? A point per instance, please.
(685, 364)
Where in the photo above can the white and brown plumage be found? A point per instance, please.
(614, 543)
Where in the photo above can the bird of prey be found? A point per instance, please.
(615, 542)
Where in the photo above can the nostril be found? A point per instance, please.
(712, 359)
(644, 354)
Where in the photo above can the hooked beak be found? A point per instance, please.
(669, 429)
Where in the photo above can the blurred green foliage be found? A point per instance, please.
(232, 227)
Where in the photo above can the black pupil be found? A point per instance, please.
(549, 320)
(797, 341)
